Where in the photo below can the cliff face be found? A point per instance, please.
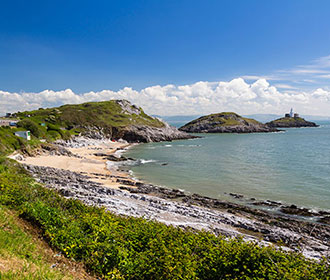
(140, 133)
(291, 122)
(111, 119)
(226, 122)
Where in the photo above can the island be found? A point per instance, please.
(226, 122)
(291, 120)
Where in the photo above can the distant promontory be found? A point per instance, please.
(225, 122)
(291, 120)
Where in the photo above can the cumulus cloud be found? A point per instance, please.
(199, 98)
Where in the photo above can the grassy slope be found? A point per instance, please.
(223, 119)
(23, 255)
(68, 120)
(9, 142)
(72, 118)
(116, 247)
(288, 120)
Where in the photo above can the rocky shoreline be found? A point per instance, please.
(174, 207)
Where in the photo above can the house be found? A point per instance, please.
(24, 134)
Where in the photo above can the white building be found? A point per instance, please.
(23, 134)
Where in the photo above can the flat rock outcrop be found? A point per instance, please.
(226, 122)
(287, 122)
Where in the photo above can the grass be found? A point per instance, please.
(25, 256)
(63, 122)
(223, 119)
(289, 120)
(117, 247)
(107, 115)
(9, 142)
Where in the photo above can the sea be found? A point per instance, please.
(292, 167)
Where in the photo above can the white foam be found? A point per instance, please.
(144, 161)
(116, 164)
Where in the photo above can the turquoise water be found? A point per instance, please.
(291, 167)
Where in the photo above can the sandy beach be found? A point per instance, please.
(85, 162)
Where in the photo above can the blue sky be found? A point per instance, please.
(96, 45)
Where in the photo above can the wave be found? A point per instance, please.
(116, 164)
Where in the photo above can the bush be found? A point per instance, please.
(64, 134)
(53, 135)
(32, 126)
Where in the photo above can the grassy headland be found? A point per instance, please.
(67, 120)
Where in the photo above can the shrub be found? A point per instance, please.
(32, 126)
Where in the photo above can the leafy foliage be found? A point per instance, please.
(25, 256)
(116, 247)
(32, 126)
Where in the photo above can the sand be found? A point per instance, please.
(88, 164)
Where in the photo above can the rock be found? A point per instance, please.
(324, 220)
(126, 182)
(294, 210)
(268, 203)
(235, 195)
(290, 122)
(226, 122)
(144, 134)
(190, 211)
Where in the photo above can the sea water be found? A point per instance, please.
(292, 166)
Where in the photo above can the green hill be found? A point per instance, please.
(111, 119)
(291, 122)
(225, 122)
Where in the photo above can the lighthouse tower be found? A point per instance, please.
(291, 113)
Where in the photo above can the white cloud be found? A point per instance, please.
(199, 98)
(284, 86)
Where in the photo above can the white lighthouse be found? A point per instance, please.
(291, 113)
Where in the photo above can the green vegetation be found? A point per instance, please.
(32, 126)
(22, 256)
(116, 247)
(63, 122)
(223, 119)
(9, 142)
(107, 115)
(289, 120)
